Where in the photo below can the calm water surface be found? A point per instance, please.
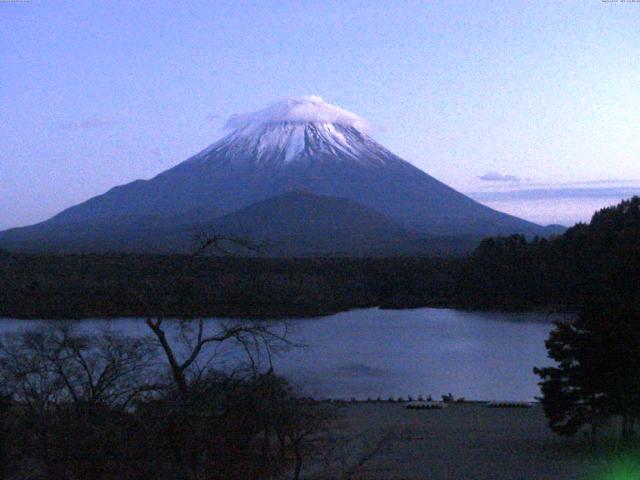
(372, 352)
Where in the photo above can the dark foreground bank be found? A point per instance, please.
(387, 441)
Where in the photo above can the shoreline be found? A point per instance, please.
(252, 314)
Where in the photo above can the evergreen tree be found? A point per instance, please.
(598, 370)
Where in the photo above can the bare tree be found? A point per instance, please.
(192, 348)
(59, 378)
(305, 427)
(59, 365)
(255, 338)
(183, 352)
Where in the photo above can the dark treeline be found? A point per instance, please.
(589, 261)
(81, 286)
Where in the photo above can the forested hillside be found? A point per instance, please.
(600, 260)
(589, 262)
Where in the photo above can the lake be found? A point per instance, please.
(425, 351)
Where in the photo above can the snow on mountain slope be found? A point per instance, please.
(283, 142)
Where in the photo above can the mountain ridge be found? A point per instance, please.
(306, 145)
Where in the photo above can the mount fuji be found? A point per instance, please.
(305, 166)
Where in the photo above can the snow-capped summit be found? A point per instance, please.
(296, 130)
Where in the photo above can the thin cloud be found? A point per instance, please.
(604, 181)
(556, 193)
(212, 117)
(90, 124)
(611, 182)
(311, 108)
(498, 177)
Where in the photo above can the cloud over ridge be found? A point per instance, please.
(307, 109)
(498, 177)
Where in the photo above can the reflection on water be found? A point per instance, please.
(371, 353)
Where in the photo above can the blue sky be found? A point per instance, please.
(532, 96)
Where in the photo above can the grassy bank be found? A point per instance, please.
(467, 440)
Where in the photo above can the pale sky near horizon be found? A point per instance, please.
(530, 107)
